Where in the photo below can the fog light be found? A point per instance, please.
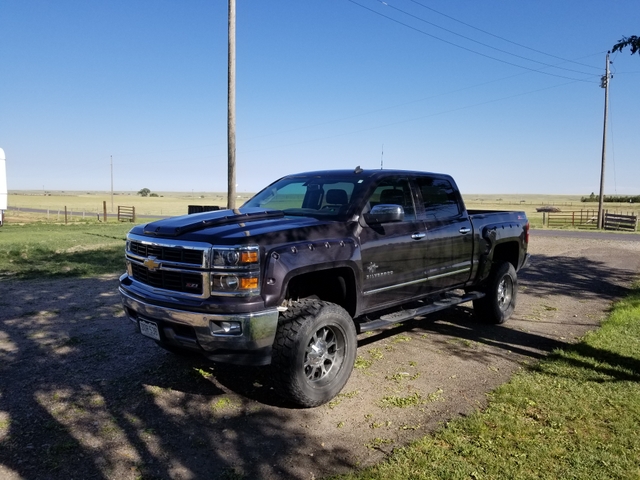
(225, 328)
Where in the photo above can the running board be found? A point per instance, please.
(408, 314)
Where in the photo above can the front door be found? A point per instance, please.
(393, 253)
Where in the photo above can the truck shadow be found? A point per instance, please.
(548, 278)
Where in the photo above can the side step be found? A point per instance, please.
(410, 313)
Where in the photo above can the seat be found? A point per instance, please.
(337, 197)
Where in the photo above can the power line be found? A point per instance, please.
(481, 43)
(422, 117)
(467, 49)
(503, 38)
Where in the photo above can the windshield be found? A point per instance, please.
(316, 196)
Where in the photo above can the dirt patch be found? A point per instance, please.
(82, 396)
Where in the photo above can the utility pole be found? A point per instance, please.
(111, 184)
(604, 83)
(231, 119)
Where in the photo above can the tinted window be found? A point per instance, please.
(439, 197)
(313, 195)
(394, 192)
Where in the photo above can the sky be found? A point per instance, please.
(504, 96)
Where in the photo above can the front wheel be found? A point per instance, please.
(314, 352)
(501, 291)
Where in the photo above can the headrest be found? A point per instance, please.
(337, 197)
(393, 197)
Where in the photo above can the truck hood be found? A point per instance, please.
(234, 226)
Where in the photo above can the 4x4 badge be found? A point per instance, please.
(151, 264)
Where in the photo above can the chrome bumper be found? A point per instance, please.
(252, 345)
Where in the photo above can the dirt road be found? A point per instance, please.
(81, 396)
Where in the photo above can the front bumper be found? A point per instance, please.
(200, 332)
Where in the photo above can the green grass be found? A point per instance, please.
(574, 415)
(40, 250)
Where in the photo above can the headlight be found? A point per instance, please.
(234, 283)
(235, 257)
(235, 270)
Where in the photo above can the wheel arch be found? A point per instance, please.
(506, 252)
(334, 284)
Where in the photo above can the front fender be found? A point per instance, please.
(286, 262)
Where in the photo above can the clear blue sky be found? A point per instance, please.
(320, 84)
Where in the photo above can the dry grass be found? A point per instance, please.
(90, 204)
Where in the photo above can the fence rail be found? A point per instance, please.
(587, 219)
(614, 221)
(126, 214)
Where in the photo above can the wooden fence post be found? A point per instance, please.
(65, 214)
(104, 210)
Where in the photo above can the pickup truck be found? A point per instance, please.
(295, 274)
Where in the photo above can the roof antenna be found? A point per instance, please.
(382, 157)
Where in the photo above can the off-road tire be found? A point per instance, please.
(313, 352)
(501, 290)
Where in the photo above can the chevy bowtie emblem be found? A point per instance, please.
(151, 264)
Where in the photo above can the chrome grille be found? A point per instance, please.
(176, 281)
(168, 254)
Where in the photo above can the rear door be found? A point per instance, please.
(449, 233)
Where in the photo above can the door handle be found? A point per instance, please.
(464, 230)
(418, 236)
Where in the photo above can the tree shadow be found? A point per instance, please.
(81, 394)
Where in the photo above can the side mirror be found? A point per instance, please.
(384, 213)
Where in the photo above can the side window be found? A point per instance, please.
(394, 192)
(439, 197)
(337, 195)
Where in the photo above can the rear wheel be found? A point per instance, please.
(314, 352)
(501, 291)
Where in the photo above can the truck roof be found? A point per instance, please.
(369, 173)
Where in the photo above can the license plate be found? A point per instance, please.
(149, 329)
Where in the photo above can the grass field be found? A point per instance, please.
(90, 204)
(166, 204)
(46, 250)
(574, 415)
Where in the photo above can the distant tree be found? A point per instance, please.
(144, 192)
(633, 41)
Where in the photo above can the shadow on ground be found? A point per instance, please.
(82, 396)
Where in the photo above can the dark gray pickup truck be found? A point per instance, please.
(292, 276)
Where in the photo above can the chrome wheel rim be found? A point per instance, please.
(505, 292)
(324, 355)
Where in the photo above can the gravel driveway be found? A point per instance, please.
(82, 396)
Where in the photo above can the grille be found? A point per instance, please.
(174, 281)
(169, 254)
